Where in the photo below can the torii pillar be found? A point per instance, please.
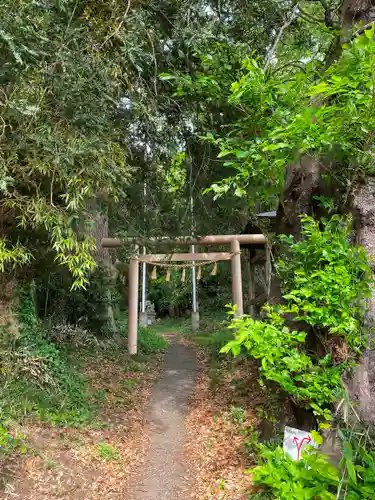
(235, 256)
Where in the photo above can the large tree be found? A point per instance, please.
(301, 140)
(89, 117)
(61, 135)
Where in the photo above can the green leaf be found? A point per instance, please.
(348, 451)
(241, 153)
(275, 147)
(369, 33)
(351, 470)
(167, 76)
(324, 425)
(224, 152)
(317, 437)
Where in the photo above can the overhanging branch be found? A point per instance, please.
(287, 23)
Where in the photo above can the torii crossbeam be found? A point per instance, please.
(235, 256)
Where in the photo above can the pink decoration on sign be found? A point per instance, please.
(296, 440)
(299, 443)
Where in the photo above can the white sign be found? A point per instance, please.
(295, 441)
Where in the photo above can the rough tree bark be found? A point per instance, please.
(301, 183)
(363, 384)
(103, 258)
(7, 279)
(363, 205)
(7, 317)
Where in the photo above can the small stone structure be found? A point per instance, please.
(148, 317)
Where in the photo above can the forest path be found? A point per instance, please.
(163, 474)
(95, 461)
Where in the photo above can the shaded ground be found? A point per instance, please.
(222, 427)
(188, 436)
(87, 464)
(164, 475)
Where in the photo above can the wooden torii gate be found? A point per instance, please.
(234, 255)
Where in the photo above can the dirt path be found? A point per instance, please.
(222, 428)
(138, 455)
(162, 476)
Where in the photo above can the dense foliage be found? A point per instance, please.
(326, 279)
(325, 283)
(314, 476)
(82, 93)
(61, 132)
(281, 116)
(174, 117)
(311, 477)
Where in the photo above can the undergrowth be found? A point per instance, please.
(108, 452)
(43, 374)
(149, 341)
(40, 378)
(314, 476)
(301, 349)
(325, 283)
(214, 341)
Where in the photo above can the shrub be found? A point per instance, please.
(39, 377)
(326, 278)
(10, 442)
(73, 335)
(283, 361)
(215, 340)
(312, 477)
(327, 281)
(23, 362)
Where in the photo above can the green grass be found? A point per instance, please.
(151, 341)
(129, 384)
(170, 325)
(208, 323)
(237, 414)
(108, 452)
(22, 400)
(50, 465)
(213, 341)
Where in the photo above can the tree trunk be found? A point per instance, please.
(103, 257)
(363, 384)
(7, 317)
(303, 182)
